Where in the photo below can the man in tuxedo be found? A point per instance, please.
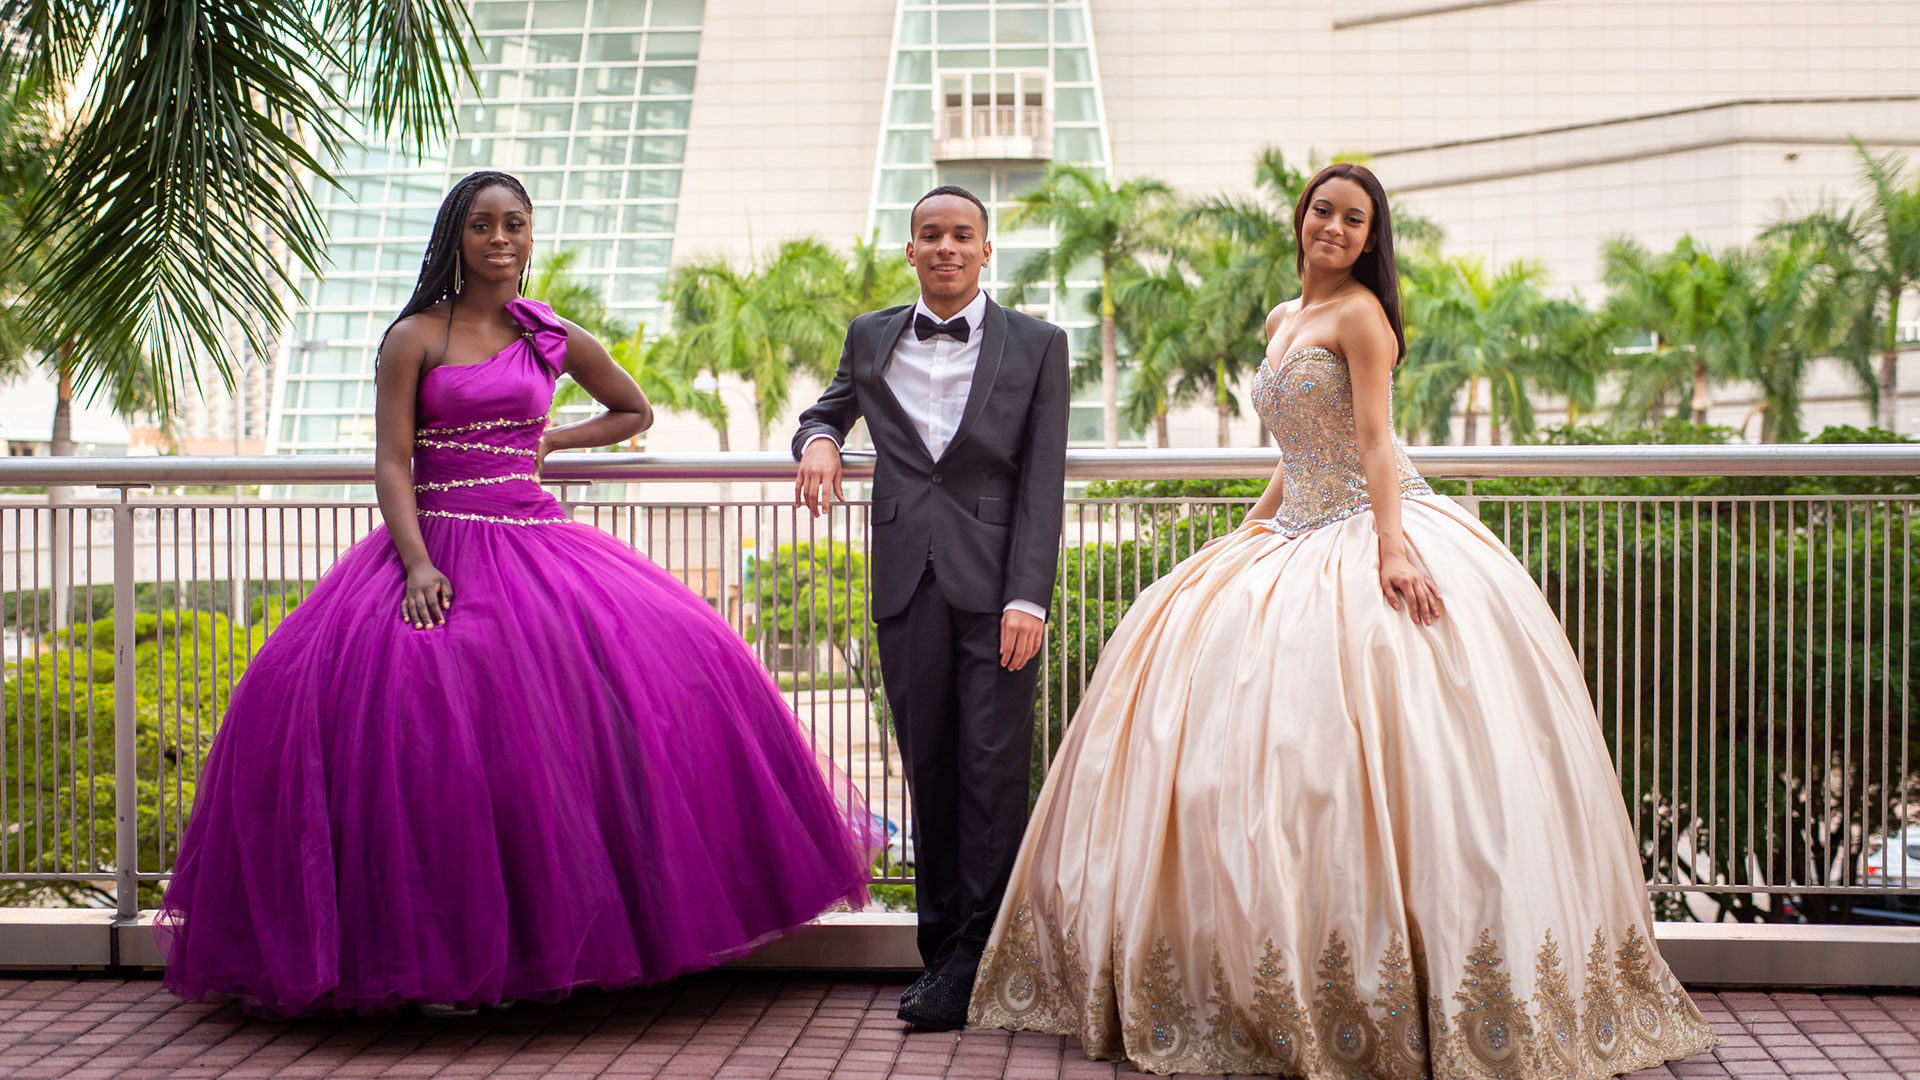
(966, 403)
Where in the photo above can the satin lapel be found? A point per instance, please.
(993, 340)
(877, 372)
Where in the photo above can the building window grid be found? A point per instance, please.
(905, 168)
(375, 263)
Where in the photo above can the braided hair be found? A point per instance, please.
(443, 247)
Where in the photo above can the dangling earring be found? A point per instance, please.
(456, 273)
(528, 265)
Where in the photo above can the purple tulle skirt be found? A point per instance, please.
(584, 778)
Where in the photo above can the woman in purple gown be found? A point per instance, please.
(495, 754)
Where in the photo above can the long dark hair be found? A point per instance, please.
(1374, 268)
(443, 247)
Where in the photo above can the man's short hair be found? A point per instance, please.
(955, 190)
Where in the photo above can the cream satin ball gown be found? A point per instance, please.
(1290, 831)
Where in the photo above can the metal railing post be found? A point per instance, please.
(126, 795)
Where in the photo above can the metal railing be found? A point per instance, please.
(1747, 638)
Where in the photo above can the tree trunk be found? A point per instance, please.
(1109, 362)
(1222, 404)
(1470, 433)
(1700, 398)
(1160, 429)
(1493, 418)
(1889, 390)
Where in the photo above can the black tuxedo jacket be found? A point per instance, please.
(989, 510)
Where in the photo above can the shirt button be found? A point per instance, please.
(936, 478)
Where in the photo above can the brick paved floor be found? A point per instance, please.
(735, 1027)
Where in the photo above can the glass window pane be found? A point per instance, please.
(961, 27)
(910, 107)
(904, 185)
(609, 81)
(595, 185)
(554, 82)
(675, 46)
(399, 257)
(665, 115)
(594, 255)
(653, 183)
(635, 254)
(542, 187)
(908, 148)
(610, 48)
(511, 15)
(660, 150)
(545, 117)
(913, 68)
(511, 49)
(603, 116)
(1074, 106)
(319, 428)
(892, 225)
(666, 81)
(619, 12)
(1072, 65)
(600, 150)
(973, 178)
(590, 220)
(1020, 58)
(1069, 25)
(678, 12)
(392, 292)
(964, 58)
(553, 49)
(649, 217)
(559, 14)
(916, 28)
(635, 288)
(545, 151)
(1077, 145)
(480, 119)
(1020, 27)
(498, 84)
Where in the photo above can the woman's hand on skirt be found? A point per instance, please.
(1407, 585)
(429, 594)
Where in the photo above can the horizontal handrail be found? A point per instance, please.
(1456, 462)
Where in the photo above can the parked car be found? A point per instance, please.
(1896, 862)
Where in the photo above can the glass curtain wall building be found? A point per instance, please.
(588, 102)
(985, 94)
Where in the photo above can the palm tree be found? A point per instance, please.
(183, 175)
(1466, 326)
(1195, 340)
(1798, 305)
(764, 324)
(1878, 239)
(658, 366)
(1686, 304)
(878, 279)
(573, 299)
(1092, 221)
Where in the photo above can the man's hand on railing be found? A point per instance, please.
(817, 484)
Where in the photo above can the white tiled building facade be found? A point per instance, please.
(1525, 128)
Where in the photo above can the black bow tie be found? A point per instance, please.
(955, 328)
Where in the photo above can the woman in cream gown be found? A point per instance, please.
(1309, 821)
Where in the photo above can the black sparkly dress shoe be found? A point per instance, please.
(940, 1006)
(913, 989)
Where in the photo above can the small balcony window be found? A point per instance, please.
(993, 116)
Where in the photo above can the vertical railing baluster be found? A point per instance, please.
(126, 889)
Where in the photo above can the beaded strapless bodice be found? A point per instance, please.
(1307, 403)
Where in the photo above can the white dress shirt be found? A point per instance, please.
(932, 379)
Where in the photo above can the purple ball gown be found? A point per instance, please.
(584, 778)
